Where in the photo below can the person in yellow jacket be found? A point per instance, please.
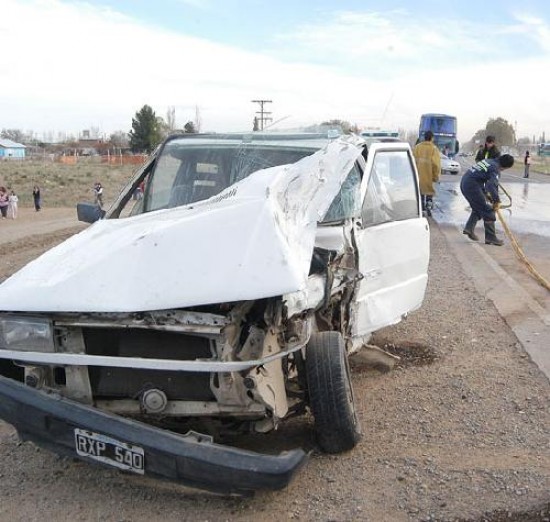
(428, 163)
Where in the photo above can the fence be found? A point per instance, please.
(138, 159)
(67, 160)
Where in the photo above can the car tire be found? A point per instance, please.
(330, 393)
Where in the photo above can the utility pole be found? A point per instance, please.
(264, 115)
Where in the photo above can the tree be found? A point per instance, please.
(502, 130)
(119, 139)
(146, 132)
(499, 128)
(256, 124)
(478, 137)
(163, 127)
(198, 119)
(13, 134)
(171, 118)
(189, 128)
(344, 125)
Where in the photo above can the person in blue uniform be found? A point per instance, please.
(478, 184)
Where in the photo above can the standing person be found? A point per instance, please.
(13, 205)
(479, 180)
(98, 189)
(428, 163)
(526, 163)
(489, 150)
(36, 198)
(4, 202)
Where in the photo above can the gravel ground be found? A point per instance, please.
(458, 431)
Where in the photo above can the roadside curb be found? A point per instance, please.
(529, 321)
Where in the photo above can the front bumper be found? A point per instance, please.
(50, 421)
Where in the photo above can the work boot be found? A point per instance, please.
(429, 205)
(471, 234)
(469, 227)
(491, 234)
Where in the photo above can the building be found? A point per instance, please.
(11, 150)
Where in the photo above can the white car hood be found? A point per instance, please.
(253, 240)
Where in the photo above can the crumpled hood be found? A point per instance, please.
(253, 240)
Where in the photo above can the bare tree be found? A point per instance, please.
(13, 135)
(171, 118)
(198, 120)
(119, 139)
(95, 133)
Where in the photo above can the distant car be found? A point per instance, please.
(449, 166)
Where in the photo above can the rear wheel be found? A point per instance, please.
(330, 393)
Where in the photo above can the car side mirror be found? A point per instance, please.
(89, 212)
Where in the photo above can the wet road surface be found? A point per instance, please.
(529, 213)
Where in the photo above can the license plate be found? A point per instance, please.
(110, 451)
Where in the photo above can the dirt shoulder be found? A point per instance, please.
(459, 431)
(32, 233)
(32, 224)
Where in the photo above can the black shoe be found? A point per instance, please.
(471, 234)
(496, 242)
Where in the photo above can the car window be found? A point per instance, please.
(392, 189)
(347, 203)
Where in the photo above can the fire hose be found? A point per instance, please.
(517, 248)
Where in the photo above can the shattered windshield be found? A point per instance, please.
(188, 171)
(347, 203)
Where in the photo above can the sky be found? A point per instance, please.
(67, 66)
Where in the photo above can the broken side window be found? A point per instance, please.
(347, 203)
(391, 193)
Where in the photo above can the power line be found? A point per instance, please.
(264, 115)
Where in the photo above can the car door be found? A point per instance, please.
(392, 241)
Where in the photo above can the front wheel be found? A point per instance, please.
(330, 393)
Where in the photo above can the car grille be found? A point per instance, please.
(118, 383)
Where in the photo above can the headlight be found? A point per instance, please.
(26, 334)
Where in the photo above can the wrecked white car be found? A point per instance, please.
(233, 291)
